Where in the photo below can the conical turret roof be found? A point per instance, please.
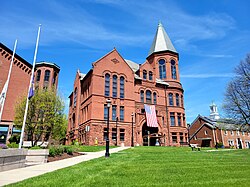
(161, 41)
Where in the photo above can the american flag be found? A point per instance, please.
(151, 116)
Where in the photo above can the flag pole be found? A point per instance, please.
(30, 84)
(6, 85)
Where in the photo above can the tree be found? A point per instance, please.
(237, 96)
(45, 118)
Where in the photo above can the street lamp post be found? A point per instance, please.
(132, 134)
(116, 129)
(107, 139)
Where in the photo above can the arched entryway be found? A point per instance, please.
(146, 135)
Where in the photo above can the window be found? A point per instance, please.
(205, 132)
(177, 100)
(122, 134)
(107, 84)
(238, 133)
(225, 132)
(122, 87)
(230, 142)
(38, 75)
(155, 98)
(174, 138)
(114, 136)
(105, 133)
(181, 137)
(232, 132)
(148, 96)
(179, 119)
(150, 76)
(170, 98)
(105, 112)
(173, 69)
(172, 119)
(114, 86)
(54, 78)
(182, 103)
(144, 74)
(113, 112)
(243, 133)
(75, 96)
(47, 75)
(142, 96)
(142, 110)
(121, 113)
(184, 120)
(162, 69)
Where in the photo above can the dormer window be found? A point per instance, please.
(162, 69)
(144, 74)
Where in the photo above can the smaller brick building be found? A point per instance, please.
(208, 131)
(46, 76)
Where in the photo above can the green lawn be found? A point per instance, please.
(84, 148)
(155, 166)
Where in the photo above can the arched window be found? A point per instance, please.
(142, 96)
(122, 87)
(150, 76)
(162, 69)
(144, 74)
(173, 69)
(148, 96)
(38, 75)
(170, 99)
(177, 99)
(47, 75)
(155, 98)
(114, 86)
(107, 84)
(182, 102)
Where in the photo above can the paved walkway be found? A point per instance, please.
(16, 175)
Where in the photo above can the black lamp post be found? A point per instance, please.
(107, 139)
(116, 129)
(132, 134)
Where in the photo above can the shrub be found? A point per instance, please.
(220, 145)
(36, 147)
(3, 146)
(68, 150)
(13, 145)
(52, 151)
(15, 138)
(59, 150)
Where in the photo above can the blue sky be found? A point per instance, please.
(212, 37)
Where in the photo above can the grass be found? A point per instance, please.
(83, 148)
(155, 166)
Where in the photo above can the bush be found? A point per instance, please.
(15, 138)
(36, 147)
(52, 151)
(13, 145)
(3, 146)
(68, 150)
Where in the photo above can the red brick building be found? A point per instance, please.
(129, 86)
(46, 76)
(207, 131)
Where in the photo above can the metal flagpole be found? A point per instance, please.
(30, 84)
(5, 88)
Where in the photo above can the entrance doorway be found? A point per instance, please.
(205, 143)
(146, 132)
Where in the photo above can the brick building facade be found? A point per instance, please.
(207, 131)
(46, 76)
(129, 86)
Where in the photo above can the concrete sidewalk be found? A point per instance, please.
(16, 175)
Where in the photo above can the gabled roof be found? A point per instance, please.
(134, 66)
(161, 41)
